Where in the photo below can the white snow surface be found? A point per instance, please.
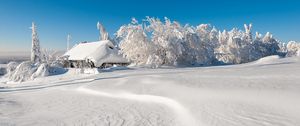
(268, 59)
(261, 93)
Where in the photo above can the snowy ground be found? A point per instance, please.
(261, 93)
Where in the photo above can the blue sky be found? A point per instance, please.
(56, 18)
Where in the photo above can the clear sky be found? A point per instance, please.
(56, 18)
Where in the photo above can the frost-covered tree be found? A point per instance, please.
(270, 44)
(133, 43)
(199, 45)
(49, 55)
(293, 49)
(35, 49)
(237, 46)
(256, 48)
(207, 43)
(169, 43)
(213, 37)
(103, 34)
(231, 46)
(69, 37)
(248, 33)
(168, 40)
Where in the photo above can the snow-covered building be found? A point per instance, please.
(98, 54)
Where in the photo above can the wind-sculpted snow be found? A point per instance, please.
(183, 115)
(268, 60)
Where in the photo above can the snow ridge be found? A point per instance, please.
(183, 115)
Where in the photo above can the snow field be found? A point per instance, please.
(264, 93)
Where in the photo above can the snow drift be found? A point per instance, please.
(22, 72)
(29, 71)
(268, 59)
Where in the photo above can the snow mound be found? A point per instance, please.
(86, 71)
(56, 68)
(97, 70)
(28, 71)
(114, 68)
(91, 71)
(11, 66)
(23, 72)
(268, 59)
(42, 71)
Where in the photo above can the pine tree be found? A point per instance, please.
(35, 49)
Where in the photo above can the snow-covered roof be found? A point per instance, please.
(99, 52)
(82, 50)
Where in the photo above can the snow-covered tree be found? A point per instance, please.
(199, 45)
(133, 43)
(270, 44)
(35, 49)
(167, 42)
(69, 37)
(49, 55)
(103, 34)
(237, 46)
(248, 33)
(231, 46)
(213, 37)
(293, 49)
(256, 48)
